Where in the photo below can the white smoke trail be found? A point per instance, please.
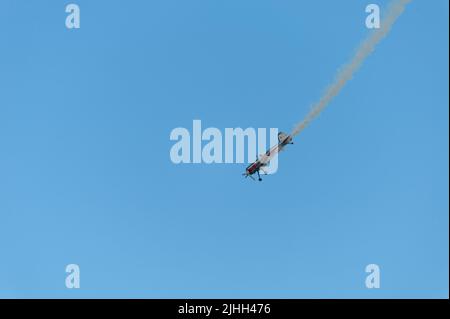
(394, 11)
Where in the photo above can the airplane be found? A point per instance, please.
(263, 161)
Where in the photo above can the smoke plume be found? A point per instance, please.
(346, 72)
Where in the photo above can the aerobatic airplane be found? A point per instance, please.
(263, 161)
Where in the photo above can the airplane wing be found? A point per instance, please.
(267, 156)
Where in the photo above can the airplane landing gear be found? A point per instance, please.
(259, 177)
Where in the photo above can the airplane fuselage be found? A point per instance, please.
(255, 167)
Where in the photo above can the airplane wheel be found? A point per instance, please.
(260, 179)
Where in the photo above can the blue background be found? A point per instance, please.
(86, 177)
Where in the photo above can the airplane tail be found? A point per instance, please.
(282, 136)
(284, 139)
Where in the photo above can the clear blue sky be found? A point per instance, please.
(86, 177)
